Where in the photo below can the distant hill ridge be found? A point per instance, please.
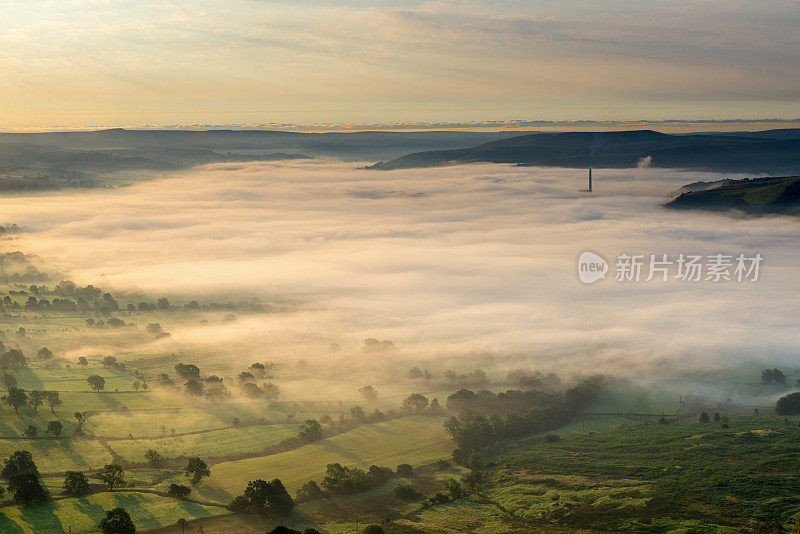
(769, 151)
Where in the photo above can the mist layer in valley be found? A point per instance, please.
(466, 266)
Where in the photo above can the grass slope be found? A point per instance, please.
(414, 440)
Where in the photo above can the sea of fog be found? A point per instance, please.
(468, 264)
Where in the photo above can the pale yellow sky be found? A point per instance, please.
(86, 63)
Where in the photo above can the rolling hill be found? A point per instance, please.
(756, 196)
(756, 151)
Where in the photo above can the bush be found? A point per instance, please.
(552, 438)
(406, 492)
(309, 491)
(405, 470)
(704, 418)
(179, 491)
(442, 465)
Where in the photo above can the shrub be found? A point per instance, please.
(179, 491)
(405, 470)
(704, 418)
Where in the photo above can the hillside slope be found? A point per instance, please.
(778, 195)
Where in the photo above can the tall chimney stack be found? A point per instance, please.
(590, 180)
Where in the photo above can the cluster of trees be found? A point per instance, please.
(705, 418)
(788, 404)
(417, 404)
(416, 373)
(475, 378)
(18, 397)
(343, 480)
(773, 377)
(471, 430)
(264, 498)
(527, 379)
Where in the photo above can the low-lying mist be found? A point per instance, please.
(466, 266)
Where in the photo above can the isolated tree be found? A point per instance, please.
(75, 483)
(179, 491)
(96, 382)
(164, 380)
(31, 431)
(153, 329)
(136, 385)
(475, 479)
(16, 398)
(197, 469)
(12, 359)
(109, 361)
(117, 521)
(704, 418)
(163, 303)
(44, 353)
(251, 391)
(82, 361)
(271, 391)
(415, 403)
(773, 377)
(310, 430)
(369, 393)
(54, 428)
(35, 399)
(153, 457)
(52, 399)
(112, 476)
(9, 380)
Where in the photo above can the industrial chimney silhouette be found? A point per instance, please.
(590, 180)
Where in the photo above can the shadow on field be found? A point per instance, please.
(7, 525)
(41, 517)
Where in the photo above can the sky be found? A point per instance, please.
(77, 63)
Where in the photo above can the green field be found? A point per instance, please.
(216, 444)
(148, 511)
(413, 440)
(59, 455)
